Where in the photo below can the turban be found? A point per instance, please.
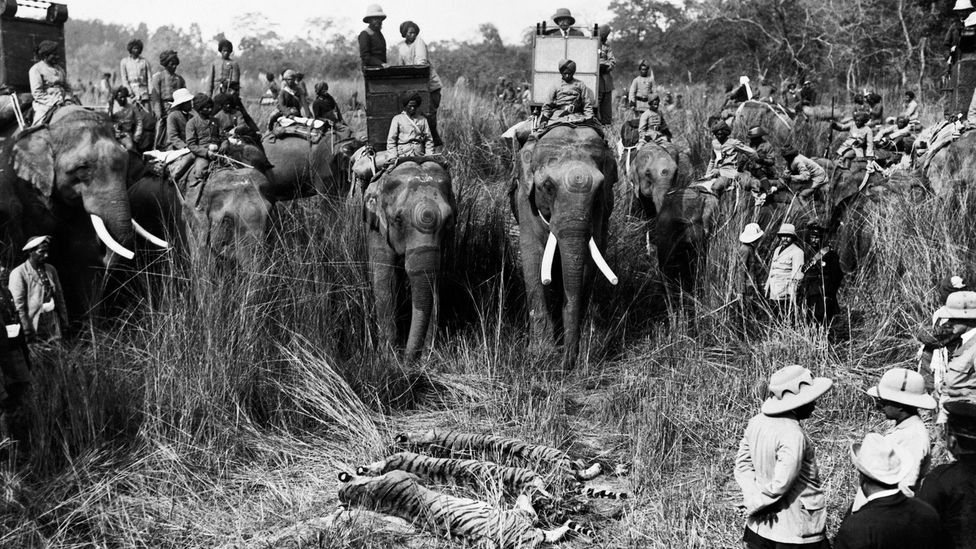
(288, 74)
(201, 100)
(653, 97)
(134, 43)
(721, 126)
(121, 91)
(567, 65)
(643, 63)
(168, 56)
(219, 101)
(46, 48)
(35, 242)
(789, 151)
(321, 88)
(415, 98)
(603, 31)
(225, 44)
(406, 26)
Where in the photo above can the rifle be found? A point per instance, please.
(213, 79)
(830, 135)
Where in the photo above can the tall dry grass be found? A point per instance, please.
(216, 410)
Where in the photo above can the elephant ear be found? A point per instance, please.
(372, 207)
(34, 162)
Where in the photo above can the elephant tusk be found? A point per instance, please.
(153, 239)
(107, 239)
(547, 257)
(602, 263)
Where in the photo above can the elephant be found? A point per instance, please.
(230, 224)
(563, 202)
(952, 165)
(302, 168)
(409, 215)
(67, 179)
(683, 227)
(845, 185)
(653, 172)
(772, 117)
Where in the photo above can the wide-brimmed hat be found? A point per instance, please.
(787, 229)
(756, 131)
(563, 13)
(904, 387)
(958, 305)
(751, 233)
(881, 459)
(35, 242)
(181, 96)
(373, 11)
(791, 387)
(962, 5)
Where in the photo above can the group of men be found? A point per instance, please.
(898, 501)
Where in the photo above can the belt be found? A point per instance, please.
(639, 98)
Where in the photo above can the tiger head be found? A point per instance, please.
(388, 493)
(417, 438)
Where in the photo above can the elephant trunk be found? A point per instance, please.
(573, 253)
(423, 267)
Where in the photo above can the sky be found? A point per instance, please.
(438, 19)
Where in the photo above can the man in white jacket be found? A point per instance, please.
(776, 466)
(785, 272)
(37, 294)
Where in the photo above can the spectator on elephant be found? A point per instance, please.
(785, 272)
(570, 97)
(564, 21)
(227, 70)
(763, 165)
(127, 119)
(162, 86)
(910, 109)
(875, 108)
(652, 126)
(951, 488)
(409, 133)
(413, 51)
(605, 85)
(48, 82)
(37, 294)
(179, 113)
(270, 96)
(808, 93)
(802, 170)
(203, 140)
(723, 166)
(134, 73)
(372, 44)
(859, 142)
(15, 378)
(896, 137)
(822, 277)
(291, 103)
(325, 106)
(776, 467)
(230, 116)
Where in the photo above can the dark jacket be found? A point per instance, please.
(572, 31)
(893, 522)
(176, 130)
(951, 490)
(322, 106)
(200, 134)
(372, 48)
(822, 274)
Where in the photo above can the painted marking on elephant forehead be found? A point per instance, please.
(578, 180)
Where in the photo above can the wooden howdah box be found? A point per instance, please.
(386, 90)
(23, 25)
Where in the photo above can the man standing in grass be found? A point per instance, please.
(951, 488)
(776, 467)
(889, 519)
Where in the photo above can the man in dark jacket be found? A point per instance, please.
(889, 519)
(822, 276)
(372, 44)
(951, 488)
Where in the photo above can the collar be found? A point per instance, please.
(907, 422)
(884, 494)
(968, 335)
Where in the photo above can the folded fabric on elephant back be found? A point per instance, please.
(306, 128)
(587, 123)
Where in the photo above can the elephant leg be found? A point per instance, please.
(383, 272)
(531, 242)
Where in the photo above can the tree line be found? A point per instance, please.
(835, 42)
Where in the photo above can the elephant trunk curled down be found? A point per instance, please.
(564, 201)
(409, 213)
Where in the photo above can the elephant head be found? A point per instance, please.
(653, 172)
(229, 222)
(68, 179)
(409, 214)
(564, 203)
